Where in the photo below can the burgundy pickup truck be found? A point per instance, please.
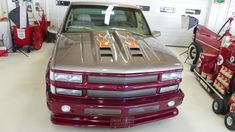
(109, 70)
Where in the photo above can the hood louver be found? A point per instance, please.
(136, 52)
(106, 54)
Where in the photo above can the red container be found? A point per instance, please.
(206, 63)
(3, 52)
(22, 36)
(209, 67)
(43, 26)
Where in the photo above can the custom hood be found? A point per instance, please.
(119, 52)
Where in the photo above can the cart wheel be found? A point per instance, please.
(229, 121)
(194, 51)
(219, 106)
(14, 49)
(193, 66)
(37, 39)
(28, 50)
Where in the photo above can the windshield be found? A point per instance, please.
(83, 18)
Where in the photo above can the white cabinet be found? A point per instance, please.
(1, 11)
(5, 30)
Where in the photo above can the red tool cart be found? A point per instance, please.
(33, 35)
(29, 36)
(215, 68)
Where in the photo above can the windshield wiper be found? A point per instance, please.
(81, 27)
(122, 29)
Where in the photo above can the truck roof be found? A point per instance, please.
(104, 4)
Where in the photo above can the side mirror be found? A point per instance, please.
(52, 34)
(156, 34)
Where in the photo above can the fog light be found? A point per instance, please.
(65, 108)
(171, 103)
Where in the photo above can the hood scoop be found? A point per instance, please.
(136, 52)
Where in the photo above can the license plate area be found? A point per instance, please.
(122, 122)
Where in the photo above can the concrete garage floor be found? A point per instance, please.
(23, 101)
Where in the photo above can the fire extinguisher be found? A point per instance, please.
(224, 51)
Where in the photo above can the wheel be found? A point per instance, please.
(219, 106)
(28, 50)
(37, 38)
(193, 66)
(14, 49)
(229, 121)
(194, 51)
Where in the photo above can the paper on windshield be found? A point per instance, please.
(108, 14)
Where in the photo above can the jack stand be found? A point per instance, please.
(185, 52)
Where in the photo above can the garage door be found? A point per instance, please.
(168, 23)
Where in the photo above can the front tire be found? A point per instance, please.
(28, 50)
(194, 51)
(229, 121)
(219, 106)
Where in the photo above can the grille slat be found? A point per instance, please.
(121, 94)
(122, 80)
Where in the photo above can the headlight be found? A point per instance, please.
(68, 92)
(62, 77)
(52, 88)
(171, 76)
(169, 88)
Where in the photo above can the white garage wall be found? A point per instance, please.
(218, 15)
(231, 12)
(168, 24)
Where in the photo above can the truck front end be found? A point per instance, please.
(112, 100)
